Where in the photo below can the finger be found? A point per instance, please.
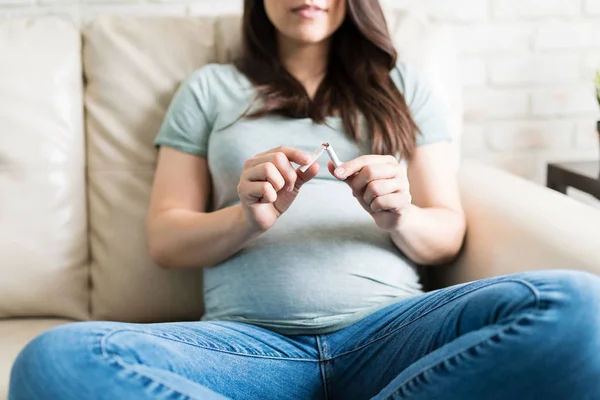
(252, 192)
(281, 162)
(351, 167)
(379, 188)
(394, 202)
(294, 155)
(266, 172)
(331, 168)
(372, 173)
(307, 175)
(249, 192)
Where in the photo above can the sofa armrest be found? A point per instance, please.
(515, 225)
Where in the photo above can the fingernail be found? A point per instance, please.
(306, 158)
(290, 188)
(339, 172)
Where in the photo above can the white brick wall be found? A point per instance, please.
(225, 7)
(528, 135)
(526, 68)
(490, 38)
(565, 101)
(473, 71)
(511, 9)
(473, 140)
(487, 103)
(585, 134)
(568, 35)
(592, 7)
(538, 69)
(457, 10)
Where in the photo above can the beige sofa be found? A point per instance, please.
(78, 112)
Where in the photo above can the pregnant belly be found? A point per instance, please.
(302, 271)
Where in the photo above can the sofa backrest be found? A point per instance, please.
(44, 254)
(90, 240)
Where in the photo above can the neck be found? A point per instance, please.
(306, 62)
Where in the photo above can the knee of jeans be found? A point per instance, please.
(580, 286)
(572, 299)
(503, 299)
(57, 355)
(577, 294)
(133, 347)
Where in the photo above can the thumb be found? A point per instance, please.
(306, 176)
(331, 168)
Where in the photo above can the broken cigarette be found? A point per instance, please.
(318, 152)
(314, 157)
(334, 158)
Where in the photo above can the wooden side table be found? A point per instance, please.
(584, 176)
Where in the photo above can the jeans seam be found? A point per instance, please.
(525, 283)
(327, 361)
(323, 366)
(212, 348)
(458, 352)
(130, 367)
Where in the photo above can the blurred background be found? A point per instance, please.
(527, 69)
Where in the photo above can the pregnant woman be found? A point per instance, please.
(311, 290)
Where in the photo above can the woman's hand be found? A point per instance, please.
(380, 184)
(270, 184)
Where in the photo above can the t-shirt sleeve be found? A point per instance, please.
(427, 111)
(186, 126)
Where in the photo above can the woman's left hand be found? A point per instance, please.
(380, 184)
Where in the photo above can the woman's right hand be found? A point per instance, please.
(270, 184)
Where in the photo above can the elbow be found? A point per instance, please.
(451, 250)
(446, 254)
(438, 258)
(168, 255)
(160, 254)
(443, 257)
(155, 247)
(159, 250)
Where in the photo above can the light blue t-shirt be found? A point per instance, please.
(324, 264)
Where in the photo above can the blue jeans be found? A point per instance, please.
(527, 336)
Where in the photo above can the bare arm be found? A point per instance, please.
(181, 234)
(420, 208)
(432, 228)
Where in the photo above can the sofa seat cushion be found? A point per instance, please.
(14, 335)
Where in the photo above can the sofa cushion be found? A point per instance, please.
(14, 335)
(132, 68)
(43, 229)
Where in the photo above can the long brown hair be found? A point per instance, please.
(357, 80)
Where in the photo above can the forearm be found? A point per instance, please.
(430, 236)
(187, 239)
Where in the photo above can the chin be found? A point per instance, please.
(308, 36)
